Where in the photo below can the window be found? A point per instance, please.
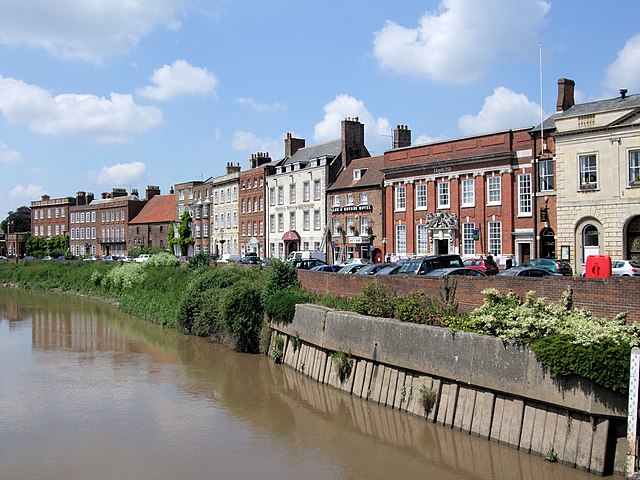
(228, 220)
(494, 188)
(255, 204)
(243, 228)
(292, 220)
(62, 214)
(93, 233)
(316, 190)
(242, 206)
(235, 194)
(495, 238)
(545, 175)
(349, 198)
(181, 194)
(443, 194)
(272, 196)
(280, 195)
(306, 220)
(364, 198)
(524, 194)
(336, 226)
(205, 230)
(357, 174)
(588, 172)
(634, 167)
(468, 192)
(292, 193)
(49, 213)
(235, 220)
(57, 213)
(316, 219)
(421, 239)
(82, 217)
(261, 227)
(272, 223)
(401, 240)
(73, 233)
(281, 222)
(401, 199)
(350, 226)
(336, 200)
(421, 196)
(468, 242)
(364, 225)
(306, 191)
(215, 221)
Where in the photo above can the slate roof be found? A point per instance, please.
(101, 201)
(616, 103)
(373, 177)
(305, 154)
(160, 209)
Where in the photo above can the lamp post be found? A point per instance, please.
(384, 249)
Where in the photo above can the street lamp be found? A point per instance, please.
(384, 248)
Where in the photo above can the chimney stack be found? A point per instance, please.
(292, 145)
(401, 137)
(231, 168)
(352, 141)
(566, 89)
(105, 195)
(258, 159)
(152, 191)
(89, 198)
(46, 197)
(118, 192)
(81, 198)
(623, 93)
(134, 192)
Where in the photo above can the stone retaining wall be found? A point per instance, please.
(486, 387)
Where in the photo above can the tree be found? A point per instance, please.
(184, 238)
(21, 220)
(35, 246)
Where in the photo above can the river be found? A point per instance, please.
(87, 392)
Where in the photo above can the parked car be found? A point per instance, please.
(357, 261)
(47, 257)
(110, 258)
(2, 257)
(229, 258)
(550, 264)
(250, 260)
(306, 264)
(327, 268)
(625, 268)
(520, 271)
(423, 265)
(353, 268)
(307, 255)
(392, 269)
(484, 265)
(125, 259)
(90, 258)
(373, 268)
(459, 271)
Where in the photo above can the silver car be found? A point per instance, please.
(625, 268)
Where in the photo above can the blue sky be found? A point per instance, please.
(126, 93)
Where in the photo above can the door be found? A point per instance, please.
(442, 247)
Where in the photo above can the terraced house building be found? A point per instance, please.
(50, 216)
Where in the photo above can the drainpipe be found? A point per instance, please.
(534, 191)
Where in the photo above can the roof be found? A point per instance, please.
(305, 154)
(607, 105)
(372, 177)
(102, 201)
(160, 209)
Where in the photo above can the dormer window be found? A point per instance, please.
(358, 173)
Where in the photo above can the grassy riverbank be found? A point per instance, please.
(228, 303)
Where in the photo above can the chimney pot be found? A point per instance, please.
(623, 92)
(566, 89)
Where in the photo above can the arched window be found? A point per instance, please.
(590, 241)
(633, 240)
(547, 243)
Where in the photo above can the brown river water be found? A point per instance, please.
(87, 392)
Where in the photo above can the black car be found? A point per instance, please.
(460, 271)
(528, 272)
(423, 265)
(250, 260)
(306, 264)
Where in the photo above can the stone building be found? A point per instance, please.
(598, 176)
(297, 189)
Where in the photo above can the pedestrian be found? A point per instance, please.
(508, 264)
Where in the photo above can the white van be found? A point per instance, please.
(307, 255)
(229, 258)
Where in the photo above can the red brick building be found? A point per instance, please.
(50, 216)
(252, 211)
(472, 196)
(150, 227)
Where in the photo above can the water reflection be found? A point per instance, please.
(93, 393)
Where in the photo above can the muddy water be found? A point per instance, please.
(89, 393)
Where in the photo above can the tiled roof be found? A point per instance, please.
(372, 177)
(160, 209)
(616, 103)
(305, 154)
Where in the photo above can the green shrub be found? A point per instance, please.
(281, 306)
(200, 259)
(277, 352)
(162, 259)
(241, 313)
(280, 276)
(374, 300)
(416, 307)
(427, 398)
(265, 337)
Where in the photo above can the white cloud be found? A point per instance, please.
(28, 192)
(178, 80)
(249, 142)
(422, 139)
(458, 42)
(503, 110)
(8, 155)
(260, 107)
(86, 30)
(624, 72)
(112, 119)
(119, 174)
(377, 130)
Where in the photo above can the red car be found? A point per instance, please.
(486, 266)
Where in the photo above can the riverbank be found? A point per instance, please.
(478, 384)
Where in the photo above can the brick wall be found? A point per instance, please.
(603, 297)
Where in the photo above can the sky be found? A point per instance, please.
(128, 93)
